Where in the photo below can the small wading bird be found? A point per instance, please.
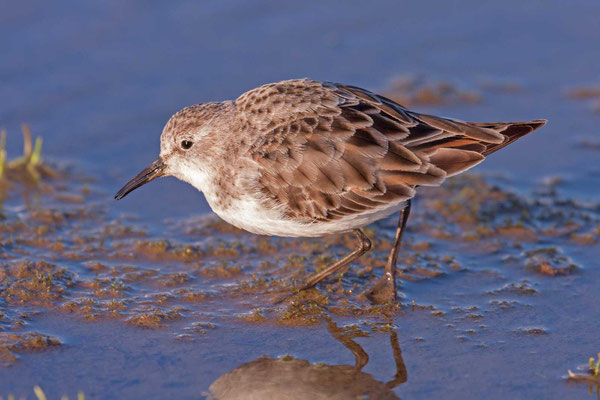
(302, 158)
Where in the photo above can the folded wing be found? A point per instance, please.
(334, 150)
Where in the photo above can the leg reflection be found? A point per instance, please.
(360, 355)
(362, 358)
(401, 372)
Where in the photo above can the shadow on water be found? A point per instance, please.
(290, 378)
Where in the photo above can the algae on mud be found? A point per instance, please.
(12, 344)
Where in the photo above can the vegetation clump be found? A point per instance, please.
(34, 282)
(549, 261)
(29, 167)
(11, 344)
(592, 375)
(40, 395)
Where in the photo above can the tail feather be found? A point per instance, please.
(511, 131)
(456, 152)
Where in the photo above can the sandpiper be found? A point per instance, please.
(303, 158)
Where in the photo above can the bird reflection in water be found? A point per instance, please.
(289, 378)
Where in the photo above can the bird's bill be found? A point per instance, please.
(154, 170)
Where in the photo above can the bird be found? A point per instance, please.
(308, 158)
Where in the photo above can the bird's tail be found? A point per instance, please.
(511, 131)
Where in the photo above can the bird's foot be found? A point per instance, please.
(290, 293)
(281, 298)
(384, 291)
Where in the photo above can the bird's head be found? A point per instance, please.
(188, 145)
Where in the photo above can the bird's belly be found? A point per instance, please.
(251, 215)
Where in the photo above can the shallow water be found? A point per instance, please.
(148, 300)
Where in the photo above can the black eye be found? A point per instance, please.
(186, 144)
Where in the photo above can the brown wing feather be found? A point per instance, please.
(328, 150)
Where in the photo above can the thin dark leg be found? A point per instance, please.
(364, 246)
(385, 289)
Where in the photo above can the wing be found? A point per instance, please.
(328, 150)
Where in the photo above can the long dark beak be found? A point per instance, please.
(154, 170)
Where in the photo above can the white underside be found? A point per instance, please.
(250, 216)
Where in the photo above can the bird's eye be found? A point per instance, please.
(186, 144)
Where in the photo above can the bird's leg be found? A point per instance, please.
(364, 246)
(385, 289)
